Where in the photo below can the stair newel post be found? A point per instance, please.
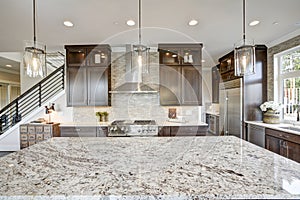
(40, 94)
(63, 78)
(16, 118)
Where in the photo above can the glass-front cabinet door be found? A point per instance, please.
(180, 54)
(97, 57)
(169, 56)
(191, 56)
(76, 56)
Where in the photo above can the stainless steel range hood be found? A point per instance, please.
(133, 78)
(134, 88)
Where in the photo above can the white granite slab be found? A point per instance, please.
(147, 168)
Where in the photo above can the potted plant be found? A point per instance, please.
(100, 115)
(105, 114)
(271, 112)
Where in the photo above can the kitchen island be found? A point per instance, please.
(147, 168)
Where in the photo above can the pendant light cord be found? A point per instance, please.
(140, 22)
(244, 21)
(34, 29)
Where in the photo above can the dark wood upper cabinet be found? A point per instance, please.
(180, 54)
(88, 75)
(170, 85)
(191, 92)
(76, 86)
(215, 80)
(88, 55)
(226, 67)
(98, 56)
(97, 86)
(75, 56)
(180, 74)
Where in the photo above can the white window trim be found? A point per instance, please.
(278, 78)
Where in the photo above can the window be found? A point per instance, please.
(287, 69)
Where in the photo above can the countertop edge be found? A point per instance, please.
(213, 113)
(106, 124)
(274, 126)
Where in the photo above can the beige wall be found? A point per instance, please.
(271, 52)
(9, 78)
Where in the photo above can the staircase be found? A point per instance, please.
(36, 96)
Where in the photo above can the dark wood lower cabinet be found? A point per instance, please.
(293, 151)
(273, 144)
(86, 131)
(182, 131)
(282, 143)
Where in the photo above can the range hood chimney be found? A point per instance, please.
(133, 77)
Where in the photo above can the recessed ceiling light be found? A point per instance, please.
(254, 23)
(193, 22)
(130, 22)
(203, 61)
(275, 23)
(68, 24)
(8, 65)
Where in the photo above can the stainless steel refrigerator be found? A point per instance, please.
(231, 108)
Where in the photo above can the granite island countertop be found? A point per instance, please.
(147, 168)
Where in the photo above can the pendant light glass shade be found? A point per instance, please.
(141, 55)
(244, 59)
(141, 58)
(34, 58)
(244, 53)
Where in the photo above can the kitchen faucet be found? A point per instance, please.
(298, 117)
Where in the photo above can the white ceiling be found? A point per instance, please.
(103, 21)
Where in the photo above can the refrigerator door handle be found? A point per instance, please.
(226, 114)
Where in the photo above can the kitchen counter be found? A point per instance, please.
(83, 124)
(170, 123)
(213, 113)
(147, 168)
(275, 126)
(104, 124)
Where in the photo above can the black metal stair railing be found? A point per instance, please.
(33, 98)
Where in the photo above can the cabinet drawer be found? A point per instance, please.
(164, 131)
(78, 131)
(283, 135)
(184, 131)
(23, 128)
(102, 131)
(47, 129)
(31, 129)
(39, 129)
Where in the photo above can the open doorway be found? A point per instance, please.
(9, 81)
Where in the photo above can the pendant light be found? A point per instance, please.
(141, 58)
(34, 58)
(244, 53)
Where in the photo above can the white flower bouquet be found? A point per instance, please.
(270, 105)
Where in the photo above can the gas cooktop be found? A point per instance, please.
(133, 122)
(133, 128)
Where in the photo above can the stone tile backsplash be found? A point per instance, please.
(135, 106)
